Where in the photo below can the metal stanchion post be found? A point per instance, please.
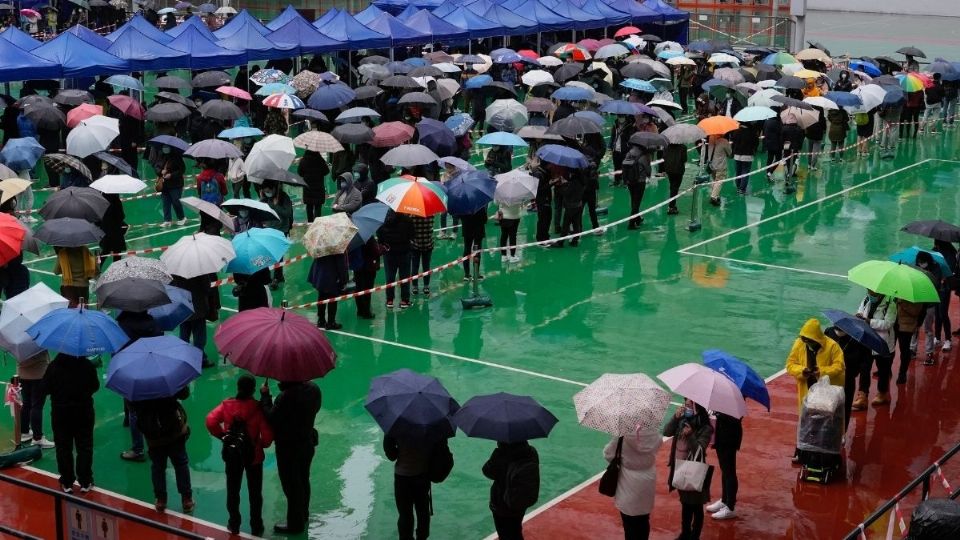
(701, 179)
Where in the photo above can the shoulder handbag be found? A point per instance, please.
(689, 475)
(608, 482)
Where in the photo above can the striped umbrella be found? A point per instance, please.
(283, 101)
(413, 196)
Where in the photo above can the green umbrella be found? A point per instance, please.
(894, 279)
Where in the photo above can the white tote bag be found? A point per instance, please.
(689, 475)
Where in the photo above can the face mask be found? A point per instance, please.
(688, 412)
(198, 103)
(66, 170)
(244, 214)
(922, 264)
(268, 192)
(166, 150)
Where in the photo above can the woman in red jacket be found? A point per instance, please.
(240, 424)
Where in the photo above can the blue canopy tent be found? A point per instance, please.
(205, 53)
(639, 13)
(547, 19)
(407, 12)
(674, 24)
(479, 6)
(581, 19)
(611, 16)
(16, 62)
(258, 47)
(143, 53)
(78, 58)
(193, 22)
(238, 21)
(300, 36)
(476, 26)
(400, 34)
(20, 38)
(442, 31)
(344, 27)
(447, 7)
(89, 36)
(144, 27)
(325, 18)
(368, 15)
(511, 23)
(288, 14)
(394, 7)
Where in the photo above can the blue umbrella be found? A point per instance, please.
(865, 67)
(474, 83)
(639, 85)
(894, 95)
(563, 156)
(169, 316)
(171, 141)
(78, 332)
(592, 116)
(716, 82)
(436, 136)
(619, 106)
(240, 132)
(331, 96)
(844, 99)
(257, 249)
(415, 61)
(909, 256)
(368, 220)
(501, 138)
(399, 68)
(357, 114)
(407, 405)
(461, 164)
(468, 192)
(153, 368)
(20, 154)
(572, 93)
(666, 54)
(124, 81)
(505, 418)
(754, 114)
(460, 123)
(276, 88)
(751, 384)
(505, 56)
(858, 329)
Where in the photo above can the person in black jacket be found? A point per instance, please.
(136, 325)
(728, 436)
(328, 275)
(623, 128)
(395, 235)
(674, 165)
(314, 171)
(515, 471)
(163, 422)
(291, 417)
(855, 355)
(773, 142)
(114, 227)
(544, 200)
(365, 275)
(52, 142)
(636, 172)
(71, 381)
(815, 134)
(252, 289)
(473, 228)
(744, 142)
(411, 483)
(195, 327)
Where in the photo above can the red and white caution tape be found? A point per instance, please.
(139, 197)
(281, 264)
(135, 252)
(943, 480)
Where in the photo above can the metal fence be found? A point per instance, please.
(742, 28)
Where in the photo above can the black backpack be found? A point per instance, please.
(441, 463)
(160, 423)
(237, 446)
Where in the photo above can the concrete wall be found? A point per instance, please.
(949, 8)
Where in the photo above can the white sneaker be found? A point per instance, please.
(946, 345)
(44, 443)
(26, 437)
(165, 224)
(514, 259)
(599, 232)
(504, 258)
(724, 513)
(182, 222)
(715, 506)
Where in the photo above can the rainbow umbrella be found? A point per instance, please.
(779, 59)
(570, 50)
(910, 82)
(414, 196)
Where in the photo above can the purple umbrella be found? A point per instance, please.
(436, 136)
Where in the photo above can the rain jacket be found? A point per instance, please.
(829, 358)
(882, 319)
(839, 124)
(636, 484)
(515, 471)
(328, 274)
(499, 160)
(348, 198)
(313, 169)
(219, 420)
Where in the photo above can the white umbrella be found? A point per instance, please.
(790, 69)
(723, 58)
(20, 313)
(92, 135)
(600, 66)
(535, 77)
(610, 51)
(118, 184)
(250, 204)
(211, 210)
(447, 67)
(711, 389)
(447, 87)
(507, 115)
(11, 187)
(800, 117)
(681, 61)
(268, 154)
(620, 403)
(515, 187)
(767, 83)
(198, 254)
(550, 61)
(659, 67)
(871, 95)
(664, 104)
(764, 98)
(822, 102)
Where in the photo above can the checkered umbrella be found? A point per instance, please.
(59, 162)
(318, 141)
(619, 404)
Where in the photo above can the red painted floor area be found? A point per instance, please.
(886, 447)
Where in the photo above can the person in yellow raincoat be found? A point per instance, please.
(814, 355)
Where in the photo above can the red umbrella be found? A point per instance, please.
(276, 343)
(233, 91)
(391, 134)
(128, 106)
(591, 45)
(82, 112)
(627, 31)
(11, 238)
(527, 53)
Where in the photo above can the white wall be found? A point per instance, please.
(950, 8)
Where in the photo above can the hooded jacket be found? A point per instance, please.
(348, 198)
(515, 471)
(829, 358)
(222, 416)
(882, 319)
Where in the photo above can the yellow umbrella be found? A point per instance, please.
(813, 54)
(11, 187)
(808, 74)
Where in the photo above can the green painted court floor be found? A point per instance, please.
(626, 301)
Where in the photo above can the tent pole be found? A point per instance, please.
(539, 50)
(350, 65)
(391, 54)
(573, 35)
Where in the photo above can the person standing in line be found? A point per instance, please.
(71, 381)
(636, 172)
(727, 439)
(328, 275)
(881, 313)
(947, 284)
(926, 263)
(314, 169)
(951, 90)
(854, 354)
(571, 189)
(280, 203)
(691, 431)
(636, 484)
(509, 226)
(365, 275)
(718, 151)
(30, 373)
(837, 132)
(136, 325)
(773, 142)
(413, 461)
(194, 329)
(544, 199)
(473, 229)
(934, 97)
(515, 471)
(291, 417)
(170, 178)
(814, 133)
(163, 423)
(422, 252)
(396, 235)
(623, 128)
(348, 198)
(240, 424)
(909, 320)
(744, 143)
(76, 266)
(674, 165)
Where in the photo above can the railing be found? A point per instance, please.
(17, 534)
(922, 480)
(741, 28)
(62, 501)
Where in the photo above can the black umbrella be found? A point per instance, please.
(818, 45)
(567, 71)
(75, 202)
(167, 112)
(791, 102)
(367, 92)
(408, 405)
(500, 87)
(888, 80)
(505, 418)
(352, 134)
(416, 98)
(651, 38)
(936, 229)
(791, 82)
(176, 98)
(171, 141)
(747, 75)
(375, 59)
(211, 79)
(171, 82)
(132, 294)
(911, 51)
(649, 140)
(400, 81)
(573, 127)
(426, 71)
(116, 162)
(638, 70)
(310, 114)
(221, 110)
(71, 97)
(45, 116)
(887, 60)
(68, 232)
(539, 105)
(58, 161)
(280, 175)
(33, 99)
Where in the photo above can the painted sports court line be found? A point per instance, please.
(765, 265)
(144, 237)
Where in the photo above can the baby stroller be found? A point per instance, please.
(820, 432)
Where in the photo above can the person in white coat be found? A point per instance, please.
(636, 484)
(881, 312)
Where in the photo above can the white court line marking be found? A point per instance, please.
(765, 265)
(151, 235)
(686, 250)
(143, 504)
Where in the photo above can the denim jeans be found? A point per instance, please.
(420, 262)
(198, 330)
(742, 168)
(176, 452)
(136, 438)
(930, 116)
(949, 109)
(31, 414)
(171, 197)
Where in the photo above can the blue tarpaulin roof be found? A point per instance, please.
(613, 16)
(477, 26)
(89, 36)
(16, 62)
(547, 19)
(447, 7)
(407, 12)
(238, 21)
(368, 15)
(204, 53)
(480, 6)
(193, 22)
(303, 37)
(288, 14)
(325, 18)
(400, 34)
(428, 23)
(79, 58)
(581, 19)
(248, 38)
(640, 13)
(669, 12)
(144, 27)
(512, 23)
(20, 38)
(344, 27)
(143, 53)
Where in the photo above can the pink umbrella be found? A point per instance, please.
(30, 13)
(276, 343)
(82, 112)
(627, 31)
(128, 106)
(712, 389)
(234, 92)
(391, 134)
(589, 44)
